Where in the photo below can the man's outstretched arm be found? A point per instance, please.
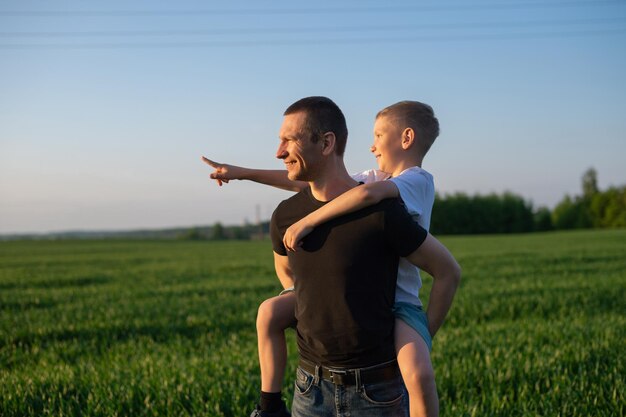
(435, 259)
(276, 178)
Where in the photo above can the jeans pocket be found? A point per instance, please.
(387, 393)
(304, 382)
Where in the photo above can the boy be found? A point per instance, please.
(403, 134)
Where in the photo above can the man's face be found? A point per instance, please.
(300, 155)
(387, 145)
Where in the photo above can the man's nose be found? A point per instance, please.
(281, 153)
(372, 148)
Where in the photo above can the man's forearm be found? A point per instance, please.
(274, 177)
(435, 259)
(351, 201)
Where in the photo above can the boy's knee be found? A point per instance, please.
(264, 314)
(268, 316)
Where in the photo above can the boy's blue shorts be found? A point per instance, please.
(415, 317)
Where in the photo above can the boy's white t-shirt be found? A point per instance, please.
(417, 191)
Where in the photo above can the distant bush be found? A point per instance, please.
(193, 233)
(594, 208)
(217, 232)
(608, 209)
(462, 214)
(571, 213)
(543, 220)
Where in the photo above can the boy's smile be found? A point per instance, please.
(387, 144)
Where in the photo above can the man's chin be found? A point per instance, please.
(297, 176)
(293, 176)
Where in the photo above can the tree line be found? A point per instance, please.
(220, 232)
(508, 213)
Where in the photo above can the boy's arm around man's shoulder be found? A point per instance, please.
(434, 258)
(352, 200)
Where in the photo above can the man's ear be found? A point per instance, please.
(408, 138)
(328, 143)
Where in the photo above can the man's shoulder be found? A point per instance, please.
(298, 199)
(391, 203)
(293, 208)
(385, 206)
(285, 214)
(396, 221)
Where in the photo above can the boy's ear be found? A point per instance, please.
(328, 143)
(408, 138)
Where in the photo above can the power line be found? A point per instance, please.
(316, 29)
(293, 11)
(289, 42)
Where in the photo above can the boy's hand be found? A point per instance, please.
(223, 172)
(295, 233)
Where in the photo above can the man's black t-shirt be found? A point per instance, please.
(345, 279)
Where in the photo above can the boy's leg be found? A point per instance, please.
(275, 315)
(417, 371)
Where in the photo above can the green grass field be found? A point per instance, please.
(166, 328)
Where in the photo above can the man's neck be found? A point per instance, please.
(334, 181)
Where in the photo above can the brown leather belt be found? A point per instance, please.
(339, 376)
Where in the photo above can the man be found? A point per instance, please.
(345, 274)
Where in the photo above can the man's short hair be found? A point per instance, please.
(322, 116)
(418, 116)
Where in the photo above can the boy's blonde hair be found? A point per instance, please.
(418, 116)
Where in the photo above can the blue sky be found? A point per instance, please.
(106, 107)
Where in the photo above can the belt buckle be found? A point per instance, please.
(338, 374)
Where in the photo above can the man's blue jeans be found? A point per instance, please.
(316, 397)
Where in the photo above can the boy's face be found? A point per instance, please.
(387, 147)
